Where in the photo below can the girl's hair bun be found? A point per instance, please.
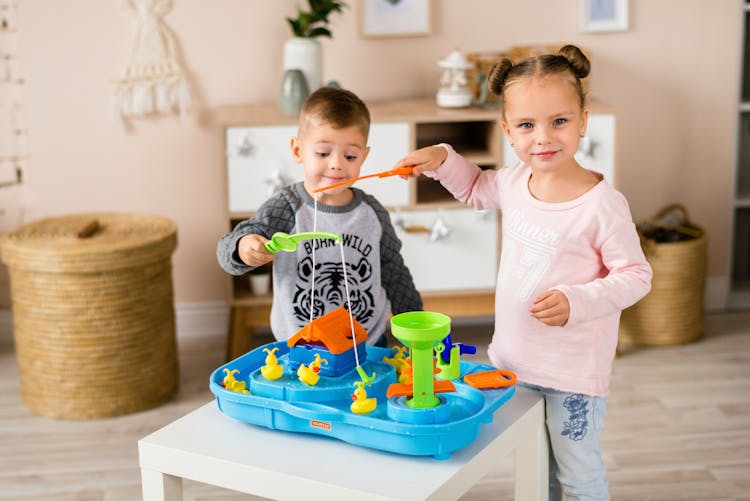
(497, 76)
(577, 61)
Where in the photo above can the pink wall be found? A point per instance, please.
(672, 77)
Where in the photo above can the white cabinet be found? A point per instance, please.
(596, 150)
(389, 142)
(258, 161)
(449, 249)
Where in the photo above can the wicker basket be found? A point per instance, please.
(673, 312)
(93, 315)
(482, 63)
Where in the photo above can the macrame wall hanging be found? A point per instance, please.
(153, 82)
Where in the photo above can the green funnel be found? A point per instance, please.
(420, 331)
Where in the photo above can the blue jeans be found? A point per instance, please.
(574, 426)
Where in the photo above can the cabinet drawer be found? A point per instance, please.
(464, 258)
(596, 150)
(259, 162)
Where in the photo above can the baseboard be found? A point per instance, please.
(201, 319)
(716, 293)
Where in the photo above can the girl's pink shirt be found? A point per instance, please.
(587, 248)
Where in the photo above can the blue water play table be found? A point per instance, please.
(324, 409)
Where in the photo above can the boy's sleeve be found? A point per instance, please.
(276, 214)
(394, 275)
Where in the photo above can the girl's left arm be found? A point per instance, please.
(628, 280)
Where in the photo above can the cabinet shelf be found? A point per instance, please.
(236, 217)
(242, 292)
(251, 300)
(470, 137)
(430, 191)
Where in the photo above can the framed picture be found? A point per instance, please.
(602, 15)
(394, 18)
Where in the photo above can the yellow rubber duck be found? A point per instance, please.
(309, 374)
(230, 383)
(272, 370)
(361, 404)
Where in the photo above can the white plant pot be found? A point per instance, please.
(260, 284)
(305, 54)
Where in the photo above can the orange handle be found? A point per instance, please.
(401, 171)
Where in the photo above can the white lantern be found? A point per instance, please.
(454, 85)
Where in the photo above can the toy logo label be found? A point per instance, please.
(320, 424)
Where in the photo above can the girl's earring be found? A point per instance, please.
(512, 145)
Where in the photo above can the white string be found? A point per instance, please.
(346, 282)
(315, 228)
(349, 303)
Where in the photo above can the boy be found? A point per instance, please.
(332, 146)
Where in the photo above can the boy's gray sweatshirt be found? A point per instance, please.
(379, 281)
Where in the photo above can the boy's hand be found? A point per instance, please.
(551, 308)
(252, 252)
(424, 159)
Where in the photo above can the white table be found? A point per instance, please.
(210, 447)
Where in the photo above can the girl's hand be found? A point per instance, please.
(551, 308)
(252, 252)
(424, 159)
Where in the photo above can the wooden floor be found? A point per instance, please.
(678, 427)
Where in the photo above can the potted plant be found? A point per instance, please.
(304, 52)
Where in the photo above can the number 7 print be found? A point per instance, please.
(524, 262)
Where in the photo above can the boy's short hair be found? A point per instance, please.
(336, 107)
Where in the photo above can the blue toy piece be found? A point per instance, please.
(463, 349)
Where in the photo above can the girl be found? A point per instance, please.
(571, 258)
